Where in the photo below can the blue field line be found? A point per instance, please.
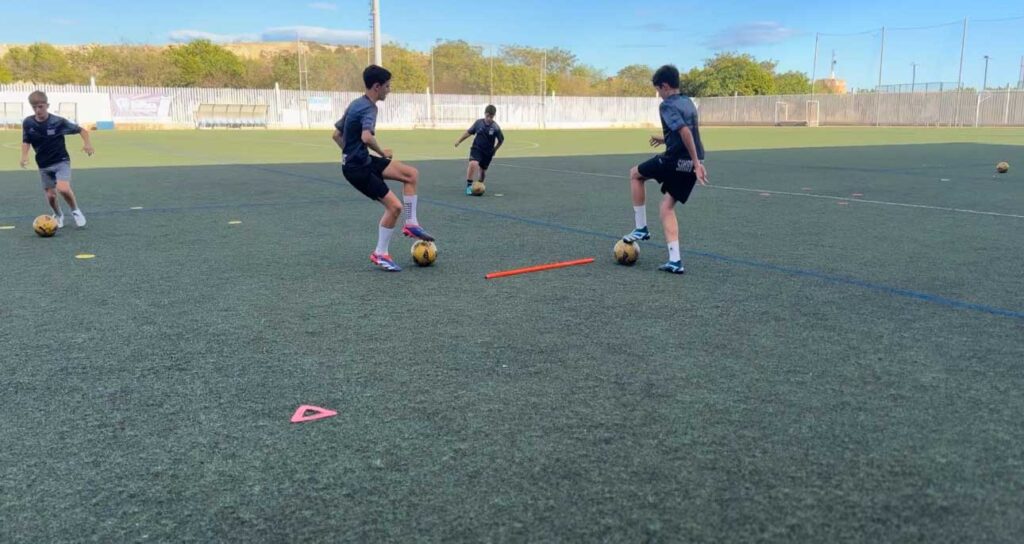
(799, 272)
(823, 276)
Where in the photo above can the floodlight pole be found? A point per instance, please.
(814, 64)
(878, 88)
(960, 75)
(375, 10)
(984, 84)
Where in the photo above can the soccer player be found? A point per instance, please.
(45, 132)
(677, 169)
(355, 134)
(488, 139)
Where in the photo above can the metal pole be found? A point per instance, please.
(913, 76)
(1006, 109)
(492, 73)
(543, 89)
(433, 88)
(814, 65)
(984, 84)
(960, 75)
(376, 34)
(1020, 78)
(878, 89)
(433, 84)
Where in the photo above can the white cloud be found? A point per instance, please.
(336, 36)
(316, 33)
(187, 35)
(324, 6)
(750, 34)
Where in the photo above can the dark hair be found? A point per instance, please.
(375, 74)
(490, 110)
(666, 74)
(37, 96)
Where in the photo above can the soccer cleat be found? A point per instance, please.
(384, 262)
(60, 220)
(675, 267)
(469, 190)
(79, 218)
(637, 235)
(415, 231)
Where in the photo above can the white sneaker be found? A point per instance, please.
(60, 220)
(79, 218)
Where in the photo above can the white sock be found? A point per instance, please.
(76, 210)
(410, 209)
(383, 239)
(673, 251)
(640, 216)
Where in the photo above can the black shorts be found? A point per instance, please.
(369, 179)
(481, 156)
(675, 176)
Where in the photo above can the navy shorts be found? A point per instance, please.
(482, 157)
(369, 178)
(675, 176)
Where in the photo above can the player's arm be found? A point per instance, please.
(371, 141)
(462, 138)
(501, 140)
(25, 145)
(339, 138)
(691, 148)
(88, 143)
(657, 140)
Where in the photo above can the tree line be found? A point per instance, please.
(451, 67)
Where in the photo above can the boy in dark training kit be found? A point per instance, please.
(488, 139)
(355, 134)
(677, 169)
(44, 132)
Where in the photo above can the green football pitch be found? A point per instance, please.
(842, 361)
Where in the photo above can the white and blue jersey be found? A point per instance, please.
(487, 134)
(676, 112)
(360, 115)
(47, 138)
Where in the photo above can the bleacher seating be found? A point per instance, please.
(232, 116)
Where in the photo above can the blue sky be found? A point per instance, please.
(603, 33)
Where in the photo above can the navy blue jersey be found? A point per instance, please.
(676, 112)
(486, 135)
(360, 115)
(47, 138)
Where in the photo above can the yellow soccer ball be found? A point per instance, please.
(424, 253)
(626, 253)
(1003, 167)
(45, 226)
(477, 188)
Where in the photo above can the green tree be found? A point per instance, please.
(5, 74)
(460, 67)
(284, 69)
(410, 71)
(202, 63)
(41, 63)
(729, 73)
(792, 82)
(581, 80)
(633, 80)
(124, 65)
